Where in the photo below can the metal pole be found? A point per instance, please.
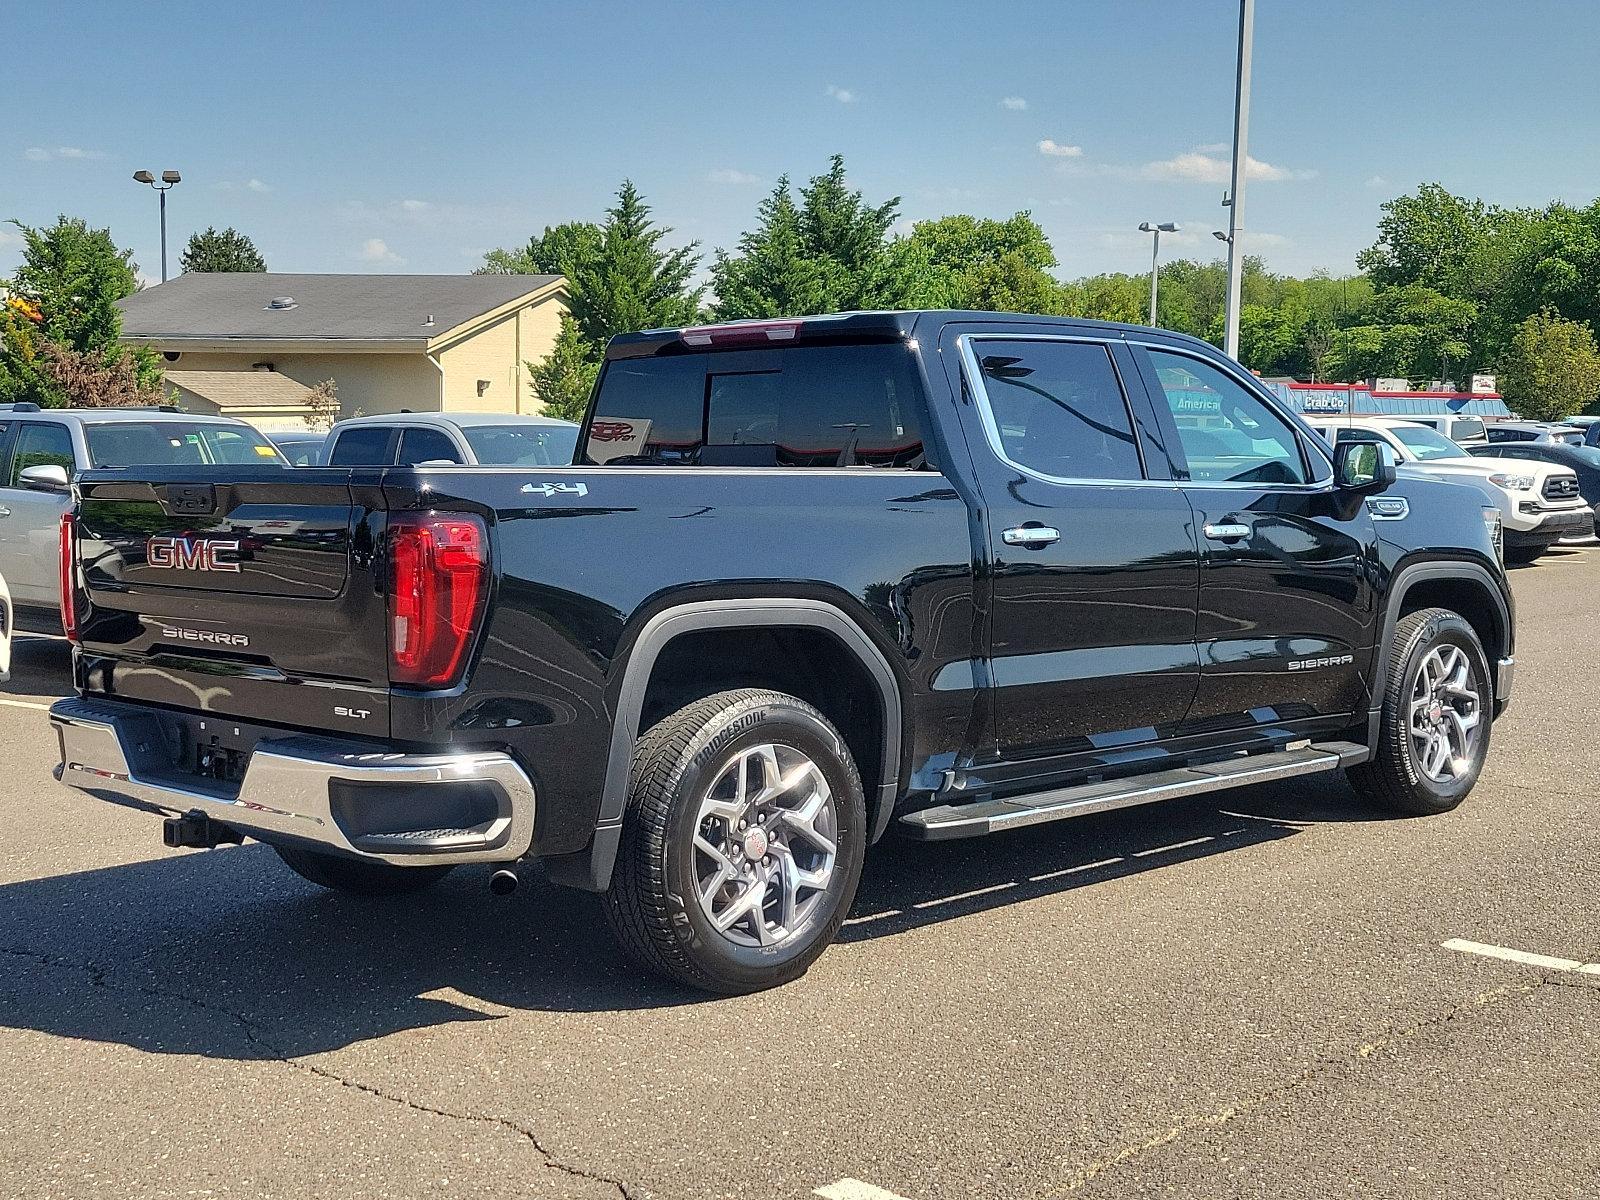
(162, 192)
(1241, 156)
(1155, 255)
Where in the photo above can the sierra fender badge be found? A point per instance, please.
(1311, 664)
(556, 489)
(190, 554)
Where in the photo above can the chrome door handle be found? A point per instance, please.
(4, 511)
(1227, 531)
(1034, 537)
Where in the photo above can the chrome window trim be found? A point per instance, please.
(972, 371)
(1294, 420)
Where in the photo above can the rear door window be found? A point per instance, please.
(808, 406)
(41, 444)
(363, 446)
(1057, 408)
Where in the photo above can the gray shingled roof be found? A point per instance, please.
(338, 307)
(241, 389)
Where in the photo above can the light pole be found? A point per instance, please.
(169, 180)
(1155, 231)
(1241, 157)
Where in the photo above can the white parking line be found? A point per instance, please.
(1545, 961)
(24, 704)
(854, 1189)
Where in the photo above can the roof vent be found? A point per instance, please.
(282, 302)
(429, 322)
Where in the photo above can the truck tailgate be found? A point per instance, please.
(249, 594)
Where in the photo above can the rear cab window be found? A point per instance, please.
(852, 405)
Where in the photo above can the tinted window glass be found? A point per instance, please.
(176, 444)
(1058, 408)
(364, 446)
(523, 445)
(808, 406)
(40, 445)
(426, 445)
(1228, 433)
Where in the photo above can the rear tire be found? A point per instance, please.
(1438, 707)
(743, 843)
(357, 876)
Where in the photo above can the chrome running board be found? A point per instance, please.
(991, 816)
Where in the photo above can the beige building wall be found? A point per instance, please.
(499, 354)
(369, 382)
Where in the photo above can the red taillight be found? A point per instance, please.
(67, 572)
(438, 581)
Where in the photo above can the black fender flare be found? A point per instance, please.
(755, 612)
(1401, 582)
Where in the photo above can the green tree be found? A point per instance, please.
(630, 282)
(559, 250)
(994, 266)
(1551, 369)
(562, 381)
(67, 289)
(1113, 297)
(830, 251)
(229, 250)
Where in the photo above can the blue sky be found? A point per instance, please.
(412, 137)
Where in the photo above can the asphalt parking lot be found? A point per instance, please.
(1237, 995)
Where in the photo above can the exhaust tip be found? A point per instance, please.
(503, 883)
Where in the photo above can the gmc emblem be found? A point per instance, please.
(189, 554)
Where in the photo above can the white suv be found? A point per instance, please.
(1539, 503)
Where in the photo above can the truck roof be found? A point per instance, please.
(887, 325)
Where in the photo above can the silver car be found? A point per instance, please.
(462, 439)
(42, 449)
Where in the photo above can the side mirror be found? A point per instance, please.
(46, 477)
(1363, 466)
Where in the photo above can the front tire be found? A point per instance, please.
(357, 876)
(743, 843)
(1437, 711)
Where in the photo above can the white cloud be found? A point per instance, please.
(40, 154)
(415, 206)
(1196, 167)
(376, 250)
(842, 95)
(1014, 104)
(1377, 181)
(732, 175)
(255, 185)
(1055, 149)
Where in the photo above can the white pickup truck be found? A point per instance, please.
(1539, 503)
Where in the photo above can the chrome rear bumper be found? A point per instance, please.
(449, 806)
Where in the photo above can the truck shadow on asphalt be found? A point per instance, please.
(224, 953)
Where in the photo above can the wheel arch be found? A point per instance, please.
(1463, 587)
(744, 615)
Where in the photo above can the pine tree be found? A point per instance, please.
(829, 252)
(563, 380)
(629, 282)
(228, 251)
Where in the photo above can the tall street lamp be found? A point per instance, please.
(1241, 160)
(169, 180)
(1155, 231)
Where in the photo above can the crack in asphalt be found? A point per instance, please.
(256, 1036)
(1089, 1171)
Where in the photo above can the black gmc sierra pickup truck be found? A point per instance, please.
(809, 580)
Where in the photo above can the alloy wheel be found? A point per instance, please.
(1446, 714)
(765, 844)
